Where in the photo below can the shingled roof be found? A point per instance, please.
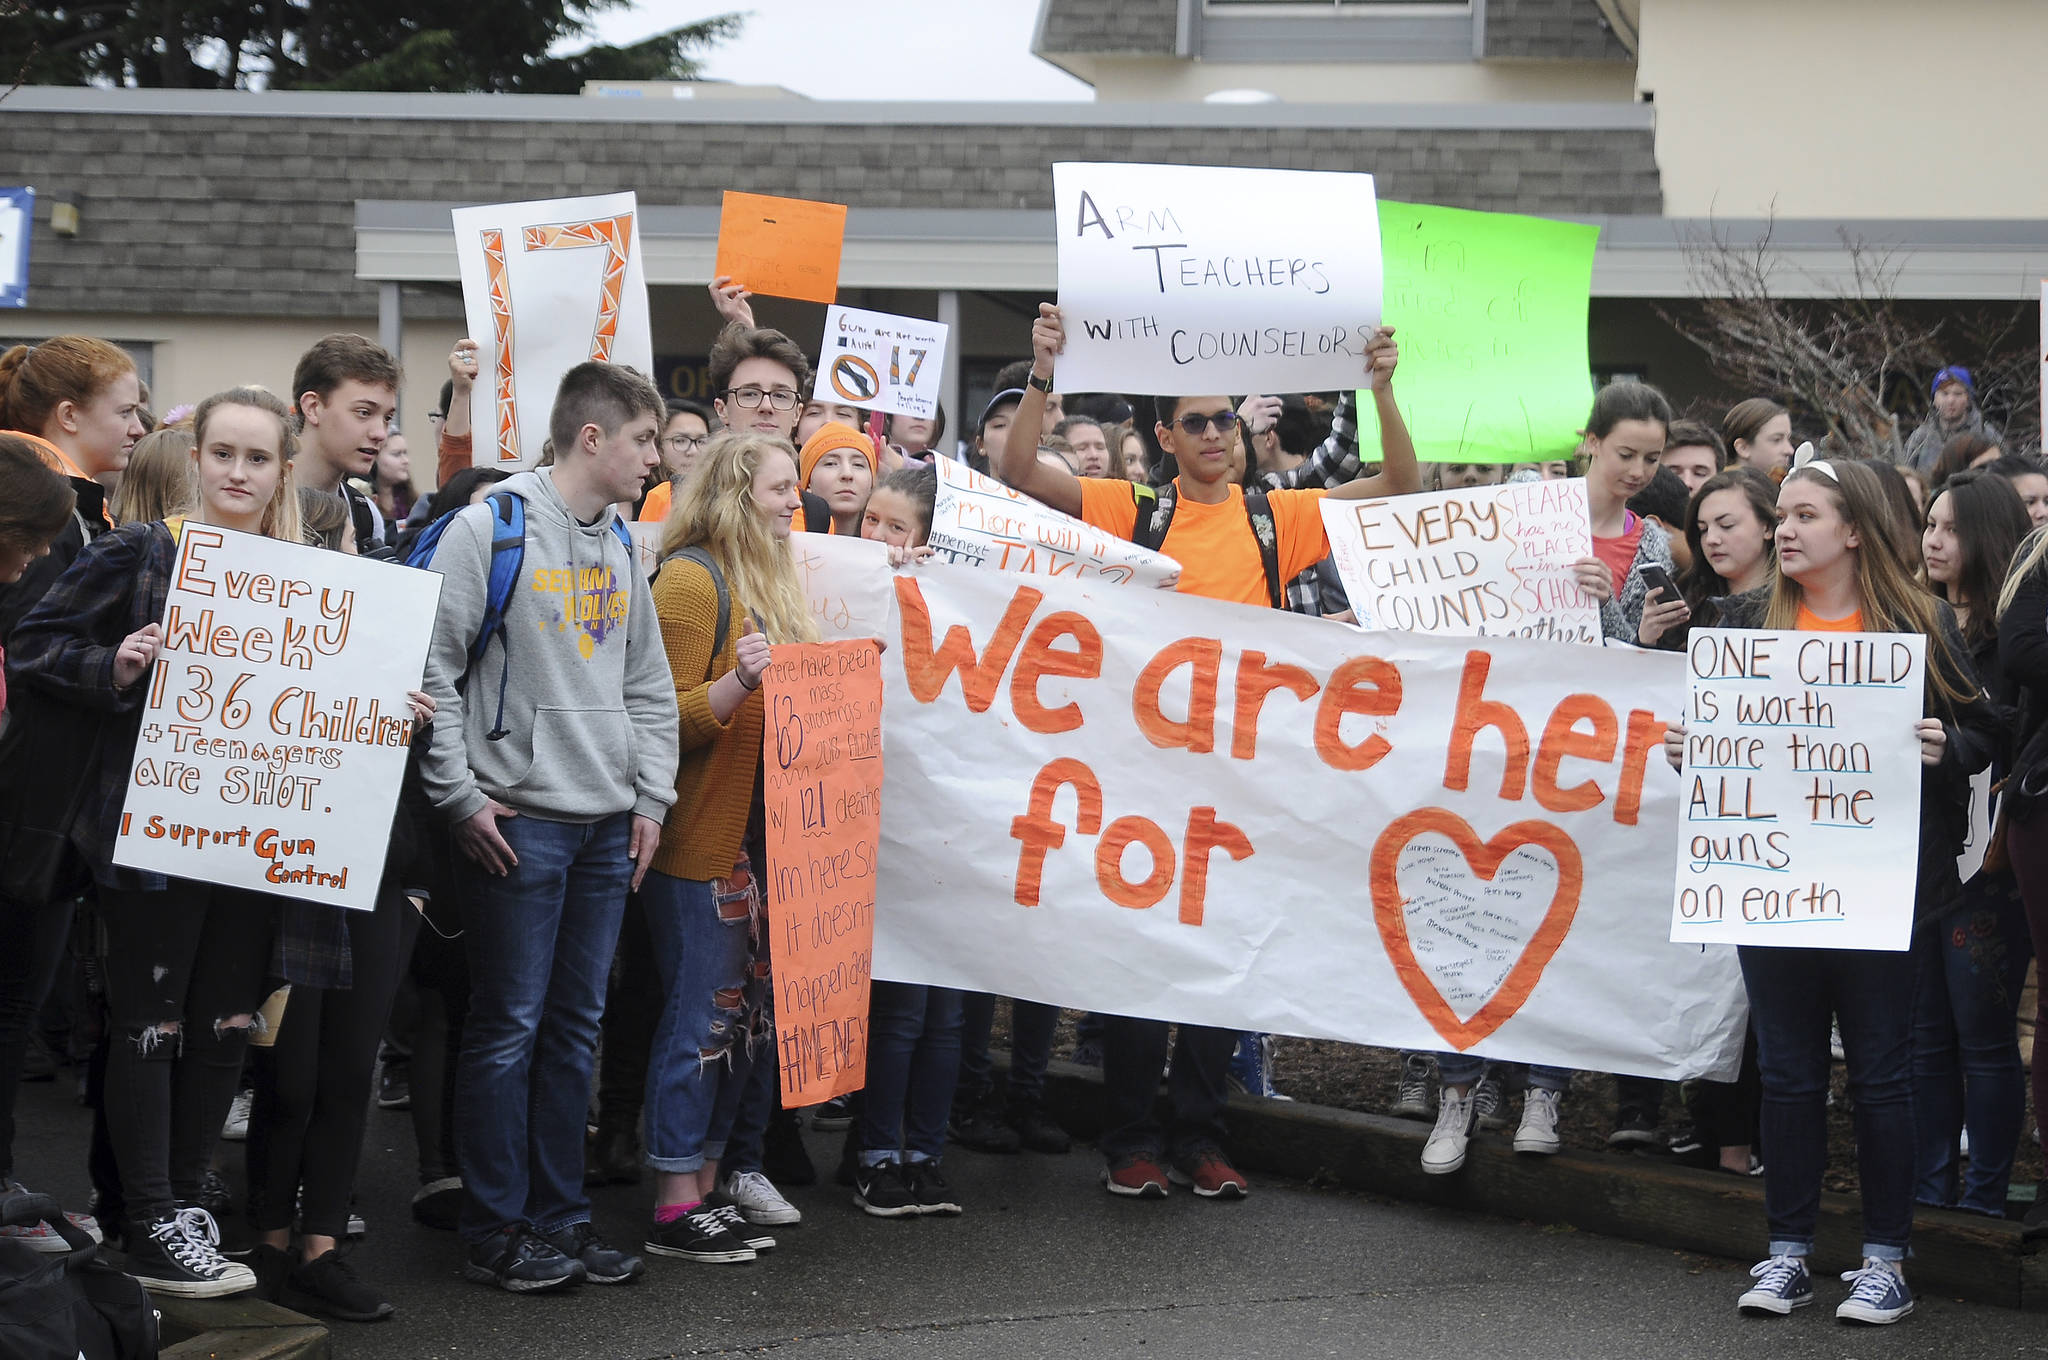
(230, 204)
(1121, 27)
(1569, 29)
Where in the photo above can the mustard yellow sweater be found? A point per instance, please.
(715, 777)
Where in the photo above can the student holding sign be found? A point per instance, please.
(2023, 811)
(1624, 437)
(1229, 550)
(1840, 572)
(186, 962)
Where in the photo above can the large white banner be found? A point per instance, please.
(1488, 561)
(846, 581)
(546, 285)
(1801, 812)
(277, 726)
(1184, 279)
(979, 521)
(1146, 803)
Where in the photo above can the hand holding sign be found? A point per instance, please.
(752, 654)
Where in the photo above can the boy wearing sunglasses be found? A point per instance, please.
(1225, 553)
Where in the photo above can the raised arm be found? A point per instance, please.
(1016, 463)
(1399, 474)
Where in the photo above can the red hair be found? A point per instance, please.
(36, 379)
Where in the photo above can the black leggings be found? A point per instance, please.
(440, 970)
(313, 1083)
(32, 943)
(194, 955)
(632, 1012)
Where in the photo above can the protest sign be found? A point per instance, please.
(1487, 561)
(17, 232)
(1185, 279)
(1977, 840)
(1490, 312)
(781, 247)
(1123, 800)
(981, 522)
(893, 364)
(1801, 801)
(822, 792)
(276, 727)
(646, 544)
(546, 285)
(846, 581)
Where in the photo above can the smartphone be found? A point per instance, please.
(1656, 578)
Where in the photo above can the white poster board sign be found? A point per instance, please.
(546, 285)
(981, 522)
(1799, 821)
(1488, 561)
(892, 364)
(276, 728)
(1177, 280)
(846, 580)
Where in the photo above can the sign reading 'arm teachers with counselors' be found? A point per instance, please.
(1179, 280)
(1800, 817)
(277, 726)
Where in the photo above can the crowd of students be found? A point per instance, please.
(576, 861)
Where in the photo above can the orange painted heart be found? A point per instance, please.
(1484, 858)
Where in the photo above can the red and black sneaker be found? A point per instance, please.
(1137, 1174)
(1202, 1167)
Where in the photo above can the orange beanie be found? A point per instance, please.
(830, 436)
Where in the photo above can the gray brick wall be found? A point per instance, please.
(1108, 26)
(253, 215)
(1571, 29)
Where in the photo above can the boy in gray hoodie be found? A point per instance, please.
(554, 763)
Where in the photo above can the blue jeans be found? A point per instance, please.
(540, 944)
(913, 1063)
(1462, 1069)
(1971, 964)
(700, 955)
(746, 1102)
(1793, 995)
(1133, 1054)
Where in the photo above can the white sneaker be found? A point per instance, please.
(180, 1254)
(758, 1201)
(236, 1130)
(41, 1237)
(1539, 1122)
(1445, 1150)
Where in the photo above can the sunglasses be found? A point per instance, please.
(1194, 422)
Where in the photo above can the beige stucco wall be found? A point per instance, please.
(1848, 108)
(1165, 78)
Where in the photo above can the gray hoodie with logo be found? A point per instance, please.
(589, 708)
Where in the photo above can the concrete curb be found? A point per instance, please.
(238, 1328)
(1639, 1198)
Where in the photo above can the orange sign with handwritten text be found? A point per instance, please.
(782, 247)
(822, 757)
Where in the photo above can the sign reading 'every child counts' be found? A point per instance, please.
(893, 364)
(1489, 561)
(1800, 812)
(1182, 280)
(277, 727)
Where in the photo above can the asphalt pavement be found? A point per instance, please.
(1044, 1263)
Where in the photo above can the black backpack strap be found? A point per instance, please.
(1259, 511)
(1154, 517)
(696, 553)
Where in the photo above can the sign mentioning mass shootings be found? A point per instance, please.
(981, 522)
(1489, 561)
(276, 729)
(1180, 280)
(822, 762)
(893, 364)
(1801, 805)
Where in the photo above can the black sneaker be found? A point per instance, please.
(834, 1115)
(984, 1130)
(602, 1262)
(518, 1260)
(783, 1157)
(438, 1204)
(753, 1234)
(882, 1191)
(394, 1086)
(331, 1286)
(214, 1195)
(1039, 1131)
(179, 1254)
(700, 1235)
(929, 1186)
(1633, 1129)
(272, 1266)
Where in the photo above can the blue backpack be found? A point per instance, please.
(508, 556)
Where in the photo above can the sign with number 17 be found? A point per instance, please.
(546, 285)
(892, 364)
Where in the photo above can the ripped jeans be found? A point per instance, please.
(704, 933)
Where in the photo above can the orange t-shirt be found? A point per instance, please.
(1218, 556)
(655, 508)
(1810, 622)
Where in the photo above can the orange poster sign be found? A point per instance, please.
(783, 247)
(822, 754)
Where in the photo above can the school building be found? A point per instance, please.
(216, 233)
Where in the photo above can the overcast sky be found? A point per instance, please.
(898, 49)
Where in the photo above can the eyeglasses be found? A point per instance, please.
(437, 416)
(1194, 422)
(687, 443)
(750, 398)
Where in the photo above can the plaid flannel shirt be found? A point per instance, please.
(1334, 462)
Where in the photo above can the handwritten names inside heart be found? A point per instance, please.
(1467, 932)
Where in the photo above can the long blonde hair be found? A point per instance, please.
(157, 482)
(281, 516)
(2025, 561)
(1892, 601)
(714, 509)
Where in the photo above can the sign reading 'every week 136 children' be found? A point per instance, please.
(892, 364)
(1180, 280)
(1799, 820)
(1488, 561)
(978, 521)
(276, 728)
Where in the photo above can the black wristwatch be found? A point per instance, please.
(1042, 384)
